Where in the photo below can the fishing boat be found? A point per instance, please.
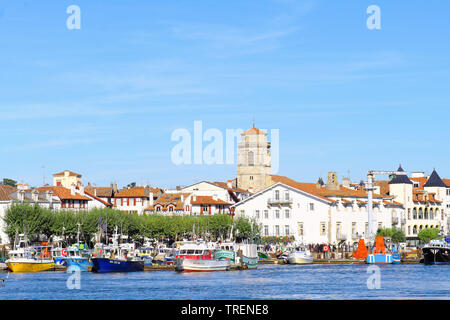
(24, 258)
(381, 256)
(78, 257)
(241, 254)
(300, 255)
(117, 258)
(436, 252)
(146, 254)
(197, 257)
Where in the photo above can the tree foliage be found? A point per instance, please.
(428, 234)
(397, 235)
(9, 182)
(36, 221)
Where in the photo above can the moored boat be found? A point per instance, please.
(78, 257)
(381, 256)
(300, 256)
(436, 252)
(24, 258)
(117, 258)
(197, 257)
(240, 254)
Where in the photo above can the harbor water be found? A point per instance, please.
(268, 282)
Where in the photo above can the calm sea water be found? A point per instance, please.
(405, 281)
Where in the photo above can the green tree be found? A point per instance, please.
(25, 218)
(428, 234)
(397, 235)
(9, 182)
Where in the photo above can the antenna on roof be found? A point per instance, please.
(253, 121)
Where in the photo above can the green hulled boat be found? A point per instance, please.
(230, 251)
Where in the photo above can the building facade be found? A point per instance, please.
(313, 213)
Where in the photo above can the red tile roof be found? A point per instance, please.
(253, 131)
(64, 193)
(323, 192)
(201, 200)
(137, 192)
(5, 191)
(169, 199)
(70, 174)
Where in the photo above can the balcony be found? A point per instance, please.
(279, 202)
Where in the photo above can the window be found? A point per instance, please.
(251, 177)
(286, 230)
(311, 207)
(266, 230)
(448, 192)
(353, 228)
(277, 214)
(380, 225)
(286, 195)
(266, 214)
(409, 229)
(366, 228)
(277, 230)
(277, 194)
(414, 213)
(338, 229)
(420, 213)
(300, 229)
(409, 214)
(251, 158)
(257, 214)
(286, 214)
(323, 229)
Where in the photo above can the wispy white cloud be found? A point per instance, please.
(52, 144)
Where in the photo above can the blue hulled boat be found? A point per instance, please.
(116, 265)
(117, 258)
(381, 256)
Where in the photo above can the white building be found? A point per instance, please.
(426, 200)
(135, 200)
(315, 213)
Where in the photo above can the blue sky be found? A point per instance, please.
(104, 100)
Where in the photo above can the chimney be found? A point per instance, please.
(95, 191)
(250, 189)
(194, 198)
(215, 197)
(89, 184)
(50, 198)
(72, 189)
(81, 189)
(21, 195)
(150, 198)
(35, 195)
(182, 198)
(229, 185)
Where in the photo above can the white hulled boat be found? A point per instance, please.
(197, 257)
(300, 255)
